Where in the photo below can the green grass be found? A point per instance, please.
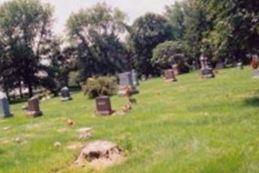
(192, 126)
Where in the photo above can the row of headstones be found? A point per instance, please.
(33, 106)
(103, 104)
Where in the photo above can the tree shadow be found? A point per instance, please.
(253, 101)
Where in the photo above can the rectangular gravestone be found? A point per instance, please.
(135, 78)
(4, 106)
(65, 94)
(126, 80)
(33, 108)
(103, 105)
(169, 75)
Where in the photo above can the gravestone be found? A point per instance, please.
(255, 66)
(103, 105)
(135, 78)
(33, 108)
(240, 66)
(4, 106)
(169, 75)
(176, 69)
(220, 65)
(65, 94)
(206, 70)
(125, 81)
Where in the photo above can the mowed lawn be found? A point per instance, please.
(192, 126)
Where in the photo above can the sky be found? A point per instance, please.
(133, 8)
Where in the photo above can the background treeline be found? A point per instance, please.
(100, 42)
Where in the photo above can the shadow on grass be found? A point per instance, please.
(220, 120)
(253, 101)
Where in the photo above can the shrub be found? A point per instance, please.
(99, 86)
(168, 53)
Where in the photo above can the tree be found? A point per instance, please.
(95, 33)
(168, 53)
(235, 28)
(176, 16)
(24, 28)
(146, 33)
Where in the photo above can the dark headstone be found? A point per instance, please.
(65, 94)
(220, 65)
(169, 75)
(4, 106)
(33, 108)
(103, 105)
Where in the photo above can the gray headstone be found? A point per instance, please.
(135, 78)
(4, 106)
(126, 79)
(65, 94)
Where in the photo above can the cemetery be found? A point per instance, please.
(100, 87)
(202, 129)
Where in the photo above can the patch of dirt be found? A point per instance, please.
(100, 154)
(85, 133)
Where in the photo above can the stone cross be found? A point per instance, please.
(103, 105)
(4, 106)
(34, 107)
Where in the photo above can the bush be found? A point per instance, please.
(169, 53)
(100, 86)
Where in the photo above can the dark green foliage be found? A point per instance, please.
(146, 33)
(100, 86)
(95, 33)
(168, 53)
(24, 30)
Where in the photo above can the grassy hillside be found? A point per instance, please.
(194, 126)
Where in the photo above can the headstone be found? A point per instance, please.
(65, 94)
(103, 105)
(220, 65)
(206, 70)
(33, 108)
(255, 66)
(135, 78)
(176, 69)
(169, 75)
(240, 66)
(126, 80)
(4, 106)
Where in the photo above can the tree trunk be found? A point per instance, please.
(20, 90)
(30, 89)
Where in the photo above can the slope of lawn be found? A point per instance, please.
(192, 126)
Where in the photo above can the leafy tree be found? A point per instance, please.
(169, 53)
(235, 28)
(24, 29)
(95, 32)
(146, 33)
(176, 16)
